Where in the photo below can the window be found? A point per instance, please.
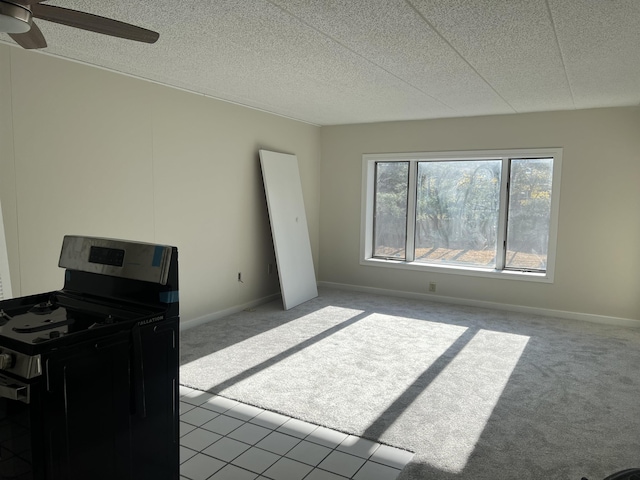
(487, 213)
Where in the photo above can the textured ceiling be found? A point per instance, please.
(333, 62)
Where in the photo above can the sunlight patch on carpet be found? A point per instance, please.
(465, 394)
(277, 344)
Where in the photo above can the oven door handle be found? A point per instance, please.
(138, 390)
(14, 392)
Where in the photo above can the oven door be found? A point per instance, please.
(21, 444)
(86, 410)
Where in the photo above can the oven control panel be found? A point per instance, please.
(118, 258)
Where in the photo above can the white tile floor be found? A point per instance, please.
(222, 439)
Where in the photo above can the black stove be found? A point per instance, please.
(89, 373)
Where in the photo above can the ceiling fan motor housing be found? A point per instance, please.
(14, 18)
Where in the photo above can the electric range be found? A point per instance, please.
(89, 373)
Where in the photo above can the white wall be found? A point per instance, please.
(598, 250)
(87, 151)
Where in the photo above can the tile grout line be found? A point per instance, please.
(271, 430)
(334, 449)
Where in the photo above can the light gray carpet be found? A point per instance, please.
(476, 394)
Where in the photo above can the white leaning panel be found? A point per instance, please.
(289, 227)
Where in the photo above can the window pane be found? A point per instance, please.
(529, 214)
(390, 221)
(457, 212)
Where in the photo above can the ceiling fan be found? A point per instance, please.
(16, 19)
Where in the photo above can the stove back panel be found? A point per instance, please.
(117, 269)
(116, 258)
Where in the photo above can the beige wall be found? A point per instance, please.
(598, 249)
(86, 151)
(7, 168)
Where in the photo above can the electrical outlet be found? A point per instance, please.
(432, 287)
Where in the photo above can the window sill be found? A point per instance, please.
(459, 270)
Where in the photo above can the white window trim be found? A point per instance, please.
(5, 278)
(366, 221)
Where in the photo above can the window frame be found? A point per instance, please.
(368, 204)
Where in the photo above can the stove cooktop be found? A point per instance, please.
(51, 317)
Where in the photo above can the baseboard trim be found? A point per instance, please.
(186, 325)
(587, 317)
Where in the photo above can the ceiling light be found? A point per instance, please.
(14, 18)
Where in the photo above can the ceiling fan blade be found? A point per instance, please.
(31, 39)
(93, 23)
(27, 2)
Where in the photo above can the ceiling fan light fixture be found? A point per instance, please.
(14, 18)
